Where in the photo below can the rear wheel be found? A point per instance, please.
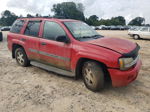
(93, 76)
(21, 57)
(136, 37)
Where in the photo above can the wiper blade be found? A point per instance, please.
(94, 36)
(78, 38)
(97, 36)
(86, 37)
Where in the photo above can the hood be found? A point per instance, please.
(119, 45)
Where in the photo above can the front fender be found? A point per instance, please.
(110, 59)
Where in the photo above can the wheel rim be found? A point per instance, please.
(89, 76)
(136, 37)
(20, 58)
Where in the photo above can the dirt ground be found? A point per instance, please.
(32, 89)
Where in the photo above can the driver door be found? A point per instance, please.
(52, 52)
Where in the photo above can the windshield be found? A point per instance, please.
(134, 28)
(81, 31)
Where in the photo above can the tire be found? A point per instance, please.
(21, 57)
(136, 37)
(1, 36)
(93, 76)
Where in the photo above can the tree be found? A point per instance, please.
(113, 21)
(38, 15)
(29, 16)
(93, 20)
(106, 22)
(118, 20)
(20, 16)
(80, 7)
(147, 24)
(7, 18)
(138, 21)
(69, 10)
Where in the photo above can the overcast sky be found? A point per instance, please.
(102, 8)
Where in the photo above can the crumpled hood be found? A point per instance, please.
(116, 44)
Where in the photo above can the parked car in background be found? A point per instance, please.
(93, 27)
(103, 27)
(140, 32)
(113, 27)
(132, 31)
(108, 27)
(1, 36)
(127, 27)
(119, 27)
(5, 28)
(96, 28)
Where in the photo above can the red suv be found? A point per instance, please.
(72, 48)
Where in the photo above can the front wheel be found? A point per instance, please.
(93, 76)
(21, 57)
(136, 37)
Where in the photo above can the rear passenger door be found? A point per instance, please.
(31, 37)
(51, 51)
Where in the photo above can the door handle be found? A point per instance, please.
(22, 39)
(43, 43)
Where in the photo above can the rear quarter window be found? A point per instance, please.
(17, 26)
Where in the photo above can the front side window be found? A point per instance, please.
(81, 31)
(52, 30)
(32, 28)
(17, 26)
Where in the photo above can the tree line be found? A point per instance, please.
(71, 10)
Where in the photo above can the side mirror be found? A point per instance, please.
(62, 39)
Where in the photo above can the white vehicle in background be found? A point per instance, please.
(139, 32)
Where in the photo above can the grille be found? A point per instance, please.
(133, 53)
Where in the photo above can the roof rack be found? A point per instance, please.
(57, 17)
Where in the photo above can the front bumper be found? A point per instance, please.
(131, 35)
(122, 78)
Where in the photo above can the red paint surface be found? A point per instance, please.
(123, 78)
(76, 50)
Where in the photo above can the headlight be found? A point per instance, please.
(125, 63)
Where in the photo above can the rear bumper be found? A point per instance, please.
(122, 78)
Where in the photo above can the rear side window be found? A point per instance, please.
(17, 26)
(32, 28)
(52, 30)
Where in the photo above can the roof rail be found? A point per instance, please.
(57, 17)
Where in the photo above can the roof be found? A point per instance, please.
(42, 18)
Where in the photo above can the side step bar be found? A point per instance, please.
(53, 69)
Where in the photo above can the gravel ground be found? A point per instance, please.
(32, 89)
